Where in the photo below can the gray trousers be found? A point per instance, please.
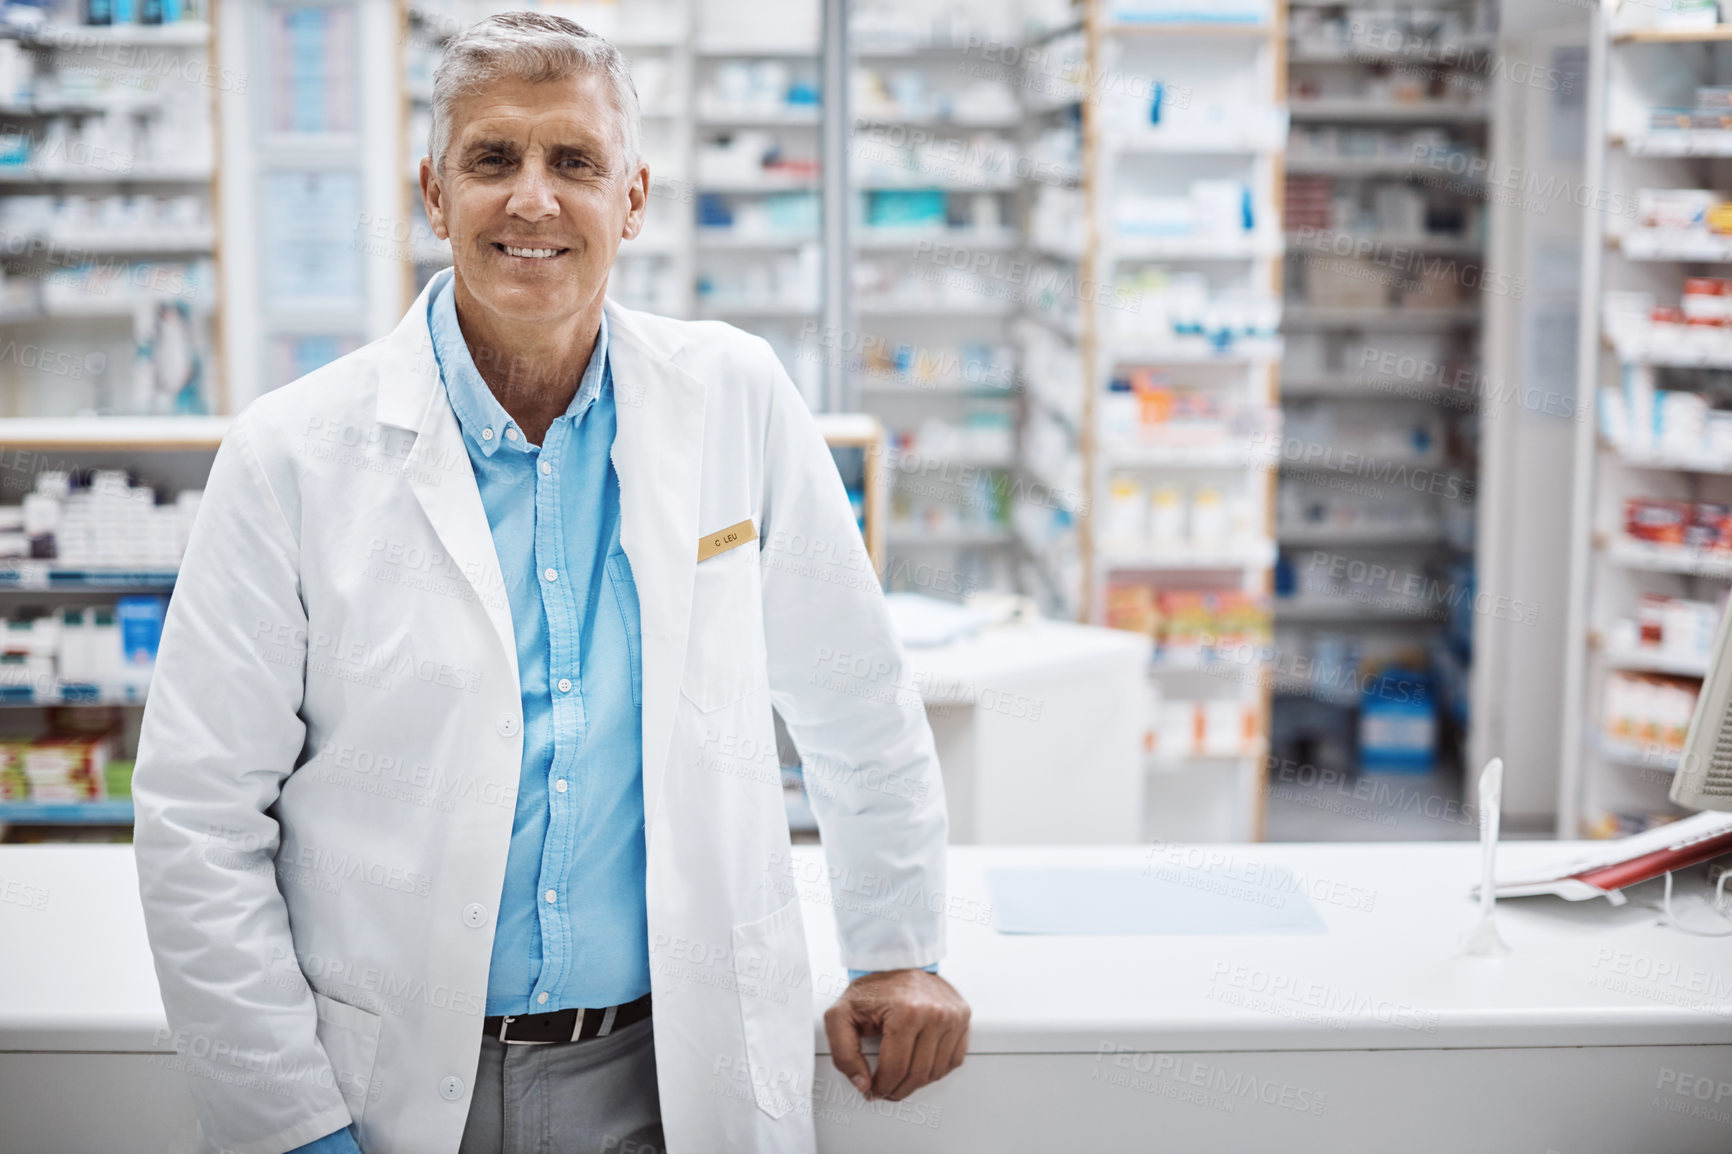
(594, 1097)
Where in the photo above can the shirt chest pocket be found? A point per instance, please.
(725, 655)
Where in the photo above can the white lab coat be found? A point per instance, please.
(330, 753)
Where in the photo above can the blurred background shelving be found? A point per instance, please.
(1386, 238)
(1109, 300)
(1650, 558)
(110, 379)
(935, 183)
(1185, 340)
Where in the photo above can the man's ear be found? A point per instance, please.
(638, 194)
(433, 199)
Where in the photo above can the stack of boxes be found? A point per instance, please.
(108, 524)
(1153, 303)
(1218, 210)
(1146, 408)
(1196, 627)
(1648, 712)
(1190, 626)
(74, 653)
(72, 762)
(59, 767)
(1675, 630)
(82, 652)
(1181, 728)
(1712, 113)
(1700, 526)
(1698, 326)
(1636, 415)
(1397, 721)
(1678, 217)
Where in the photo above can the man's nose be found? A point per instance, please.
(532, 195)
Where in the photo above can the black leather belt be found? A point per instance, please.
(565, 1025)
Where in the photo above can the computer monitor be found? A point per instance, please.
(1704, 779)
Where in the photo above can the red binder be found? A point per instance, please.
(1605, 870)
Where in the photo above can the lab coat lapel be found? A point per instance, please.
(658, 456)
(412, 396)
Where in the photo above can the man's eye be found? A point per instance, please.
(574, 162)
(492, 160)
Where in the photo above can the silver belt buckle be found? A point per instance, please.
(506, 1020)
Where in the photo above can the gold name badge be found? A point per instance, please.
(712, 543)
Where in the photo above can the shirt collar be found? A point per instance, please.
(483, 419)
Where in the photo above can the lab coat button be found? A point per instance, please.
(451, 1088)
(474, 915)
(507, 726)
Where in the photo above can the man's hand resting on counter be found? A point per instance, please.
(924, 1024)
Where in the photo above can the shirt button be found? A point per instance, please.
(546, 468)
(550, 574)
(511, 434)
(552, 896)
(486, 434)
(559, 786)
(474, 915)
(451, 1088)
(541, 998)
(565, 685)
(507, 725)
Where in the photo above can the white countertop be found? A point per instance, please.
(1387, 977)
(75, 971)
(75, 968)
(954, 674)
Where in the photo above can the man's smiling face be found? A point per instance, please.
(535, 196)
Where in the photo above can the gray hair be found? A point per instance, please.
(531, 46)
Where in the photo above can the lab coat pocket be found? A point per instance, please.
(773, 979)
(625, 592)
(350, 1036)
(725, 655)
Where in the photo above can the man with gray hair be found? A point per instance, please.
(459, 752)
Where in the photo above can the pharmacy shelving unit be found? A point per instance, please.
(1381, 243)
(106, 207)
(424, 28)
(657, 270)
(1055, 340)
(756, 178)
(278, 113)
(933, 185)
(1221, 73)
(311, 268)
(110, 341)
(169, 453)
(1608, 787)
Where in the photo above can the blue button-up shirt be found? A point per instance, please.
(572, 924)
